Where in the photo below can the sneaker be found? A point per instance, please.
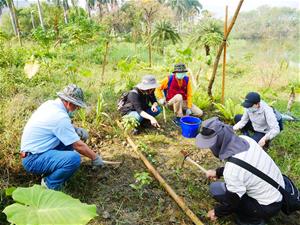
(43, 184)
(176, 121)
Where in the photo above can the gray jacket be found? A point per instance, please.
(263, 120)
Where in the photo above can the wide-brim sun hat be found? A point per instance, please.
(208, 133)
(148, 82)
(180, 68)
(73, 94)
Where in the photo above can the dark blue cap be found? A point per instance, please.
(251, 99)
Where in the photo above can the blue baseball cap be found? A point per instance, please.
(251, 99)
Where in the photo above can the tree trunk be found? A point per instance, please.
(213, 76)
(88, 9)
(32, 20)
(100, 10)
(65, 7)
(14, 18)
(104, 60)
(40, 14)
(149, 45)
(207, 50)
(13, 22)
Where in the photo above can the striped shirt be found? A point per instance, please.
(241, 181)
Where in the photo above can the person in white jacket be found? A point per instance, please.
(251, 198)
(259, 118)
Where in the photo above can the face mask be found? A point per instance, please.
(252, 109)
(180, 75)
(71, 114)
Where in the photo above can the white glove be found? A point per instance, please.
(188, 112)
(162, 101)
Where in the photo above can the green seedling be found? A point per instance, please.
(129, 123)
(142, 180)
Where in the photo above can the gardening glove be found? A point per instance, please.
(82, 133)
(154, 108)
(98, 161)
(162, 101)
(188, 112)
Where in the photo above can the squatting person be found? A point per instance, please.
(252, 199)
(51, 145)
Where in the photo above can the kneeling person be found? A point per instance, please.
(50, 145)
(258, 118)
(251, 198)
(176, 91)
(141, 102)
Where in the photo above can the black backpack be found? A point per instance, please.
(290, 194)
(123, 100)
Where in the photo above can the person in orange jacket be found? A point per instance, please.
(176, 91)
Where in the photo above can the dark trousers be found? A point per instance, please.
(248, 129)
(248, 210)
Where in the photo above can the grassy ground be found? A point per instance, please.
(109, 188)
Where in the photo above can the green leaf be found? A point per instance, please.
(9, 191)
(37, 205)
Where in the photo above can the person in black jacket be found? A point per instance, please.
(252, 199)
(141, 102)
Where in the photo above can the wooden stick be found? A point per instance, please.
(196, 164)
(224, 55)
(164, 113)
(111, 162)
(163, 183)
(213, 76)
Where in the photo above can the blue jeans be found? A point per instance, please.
(57, 165)
(139, 118)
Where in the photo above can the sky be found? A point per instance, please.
(217, 7)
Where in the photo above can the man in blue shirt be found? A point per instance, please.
(50, 145)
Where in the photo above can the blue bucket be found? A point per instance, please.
(190, 126)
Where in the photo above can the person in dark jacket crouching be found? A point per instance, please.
(141, 102)
(252, 199)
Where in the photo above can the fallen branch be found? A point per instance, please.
(163, 183)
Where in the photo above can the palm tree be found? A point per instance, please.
(184, 8)
(210, 34)
(164, 31)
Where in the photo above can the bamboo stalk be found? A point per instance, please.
(212, 79)
(163, 183)
(224, 55)
(164, 113)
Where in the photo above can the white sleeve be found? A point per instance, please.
(244, 120)
(272, 123)
(234, 180)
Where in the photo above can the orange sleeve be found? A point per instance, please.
(189, 94)
(163, 85)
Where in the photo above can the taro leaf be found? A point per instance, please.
(37, 205)
(9, 191)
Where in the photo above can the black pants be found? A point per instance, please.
(249, 128)
(249, 210)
